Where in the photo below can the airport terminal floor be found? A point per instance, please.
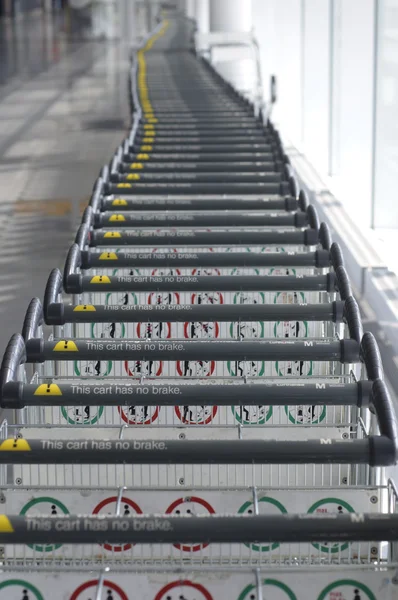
(63, 111)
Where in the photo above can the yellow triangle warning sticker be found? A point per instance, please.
(123, 185)
(5, 525)
(108, 256)
(48, 389)
(148, 140)
(65, 346)
(134, 176)
(100, 279)
(117, 218)
(119, 202)
(137, 166)
(14, 444)
(149, 126)
(84, 308)
(152, 120)
(112, 234)
(145, 149)
(143, 156)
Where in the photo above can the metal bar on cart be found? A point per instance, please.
(165, 529)
(112, 219)
(283, 204)
(345, 351)
(16, 395)
(108, 259)
(308, 237)
(198, 188)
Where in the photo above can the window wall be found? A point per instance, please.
(329, 56)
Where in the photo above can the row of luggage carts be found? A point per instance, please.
(206, 417)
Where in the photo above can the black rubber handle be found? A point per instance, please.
(71, 279)
(88, 216)
(52, 291)
(336, 256)
(313, 219)
(325, 238)
(14, 357)
(83, 236)
(370, 356)
(385, 446)
(343, 283)
(34, 319)
(303, 201)
(352, 317)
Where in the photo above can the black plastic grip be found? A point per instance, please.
(303, 201)
(34, 319)
(96, 197)
(313, 219)
(83, 236)
(336, 256)
(343, 283)
(370, 356)
(352, 317)
(325, 238)
(52, 291)
(293, 188)
(384, 447)
(88, 216)
(14, 357)
(290, 203)
(311, 237)
(72, 281)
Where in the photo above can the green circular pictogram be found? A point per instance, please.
(54, 505)
(113, 330)
(82, 414)
(356, 585)
(248, 330)
(295, 365)
(296, 331)
(264, 414)
(299, 418)
(332, 549)
(272, 502)
(92, 368)
(242, 368)
(247, 593)
(239, 295)
(121, 298)
(25, 585)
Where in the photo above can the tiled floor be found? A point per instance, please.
(63, 111)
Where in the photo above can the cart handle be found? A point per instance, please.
(370, 356)
(72, 280)
(96, 197)
(325, 238)
(52, 292)
(14, 357)
(336, 256)
(34, 319)
(82, 238)
(166, 529)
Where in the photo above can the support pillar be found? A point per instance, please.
(190, 8)
(230, 15)
(202, 15)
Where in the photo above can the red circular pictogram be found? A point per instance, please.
(128, 503)
(201, 502)
(148, 418)
(94, 583)
(207, 298)
(153, 331)
(157, 298)
(155, 272)
(196, 368)
(203, 271)
(183, 583)
(135, 368)
(191, 330)
(183, 411)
